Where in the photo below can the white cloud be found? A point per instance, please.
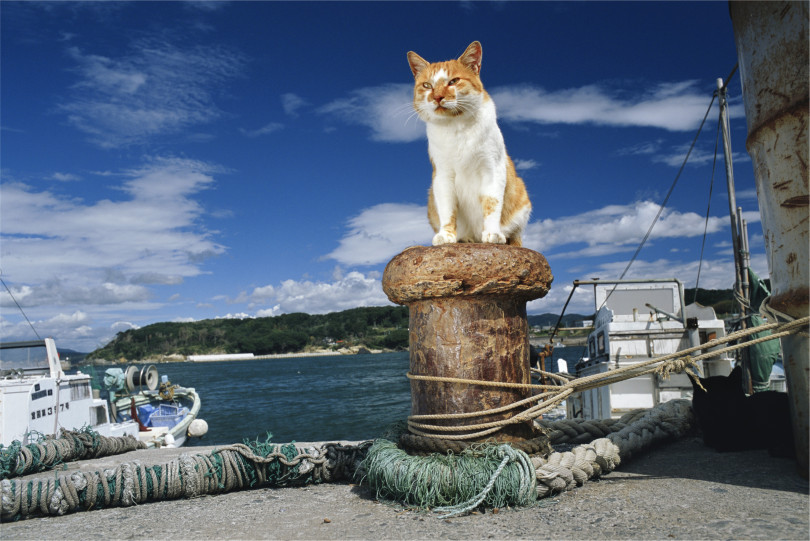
(103, 252)
(386, 109)
(72, 328)
(525, 165)
(264, 130)
(349, 291)
(65, 177)
(380, 232)
(157, 89)
(240, 315)
(675, 106)
(675, 155)
(613, 228)
(291, 103)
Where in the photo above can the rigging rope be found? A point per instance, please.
(20, 307)
(708, 209)
(664, 202)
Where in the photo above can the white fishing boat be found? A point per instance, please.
(166, 414)
(638, 320)
(38, 398)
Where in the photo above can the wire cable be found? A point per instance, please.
(20, 307)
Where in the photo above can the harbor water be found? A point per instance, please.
(347, 397)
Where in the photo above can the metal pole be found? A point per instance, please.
(732, 198)
(739, 271)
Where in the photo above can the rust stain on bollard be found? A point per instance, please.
(468, 320)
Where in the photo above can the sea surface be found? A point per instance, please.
(347, 397)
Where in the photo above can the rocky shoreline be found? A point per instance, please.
(177, 358)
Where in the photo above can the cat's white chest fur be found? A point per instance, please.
(469, 158)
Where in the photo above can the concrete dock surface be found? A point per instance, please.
(680, 490)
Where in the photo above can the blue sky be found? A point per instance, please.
(178, 161)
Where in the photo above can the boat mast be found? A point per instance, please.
(735, 212)
(737, 227)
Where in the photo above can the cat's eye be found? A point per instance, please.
(453, 81)
(426, 85)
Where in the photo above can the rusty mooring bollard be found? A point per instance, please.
(468, 320)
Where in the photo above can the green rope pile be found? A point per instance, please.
(235, 467)
(48, 453)
(484, 474)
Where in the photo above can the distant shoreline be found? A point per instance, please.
(176, 358)
(275, 356)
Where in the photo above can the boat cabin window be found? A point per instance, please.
(592, 347)
(30, 359)
(98, 416)
(707, 336)
(625, 299)
(600, 342)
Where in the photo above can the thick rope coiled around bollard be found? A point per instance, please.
(421, 445)
(230, 468)
(18, 459)
(487, 475)
(480, 474)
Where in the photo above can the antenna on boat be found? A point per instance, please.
(18, 305)
(739, 227)
(735, 213)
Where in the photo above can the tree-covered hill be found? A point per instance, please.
(374, 327)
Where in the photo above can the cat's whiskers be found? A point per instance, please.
(404, 109)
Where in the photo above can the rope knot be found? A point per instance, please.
(677, 366)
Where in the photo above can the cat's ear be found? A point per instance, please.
(472, 57)
(735, 376)
(417, 63)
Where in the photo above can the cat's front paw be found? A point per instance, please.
(443, 237)
(493, 238)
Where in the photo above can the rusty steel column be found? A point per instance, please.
(771, 40)
(468, 320)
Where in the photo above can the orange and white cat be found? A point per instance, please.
(476, 195)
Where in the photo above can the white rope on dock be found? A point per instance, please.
(564, 471)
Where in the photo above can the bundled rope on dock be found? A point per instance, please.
(234, 467)
(495, 475)
(18, 459)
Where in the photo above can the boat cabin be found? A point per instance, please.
(38, 398)
(637, 320)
